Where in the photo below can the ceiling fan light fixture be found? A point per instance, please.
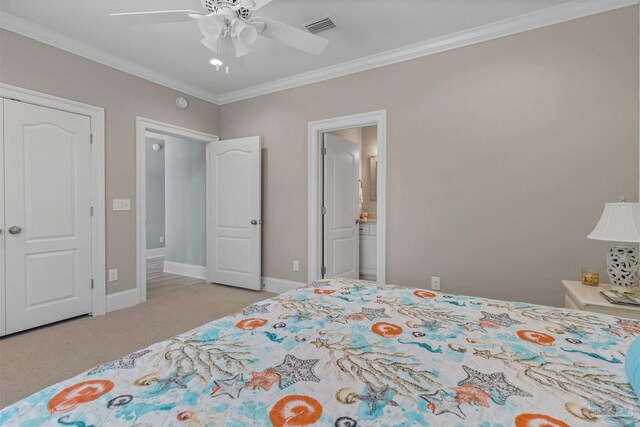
(211, 26)
(245, 33)
(210, 44)
(241, 48)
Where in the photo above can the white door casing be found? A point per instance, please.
(48, 194)
(143, 127)
(341, 198)
(2, 230)
(316, 130)
(234, 199)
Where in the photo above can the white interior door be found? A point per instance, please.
(47, 223)
(341, 198)
(234, 223)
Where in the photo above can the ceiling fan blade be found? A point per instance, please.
(157, 16)
(293, 37)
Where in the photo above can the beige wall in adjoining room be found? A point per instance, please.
(33, 65)
(500, 157)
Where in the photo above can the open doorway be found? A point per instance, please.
(347, 197)
(170, 243)
(176, 213)
(349, 200)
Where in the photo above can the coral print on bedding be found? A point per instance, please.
(353, 353)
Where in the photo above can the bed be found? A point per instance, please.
(353, 353)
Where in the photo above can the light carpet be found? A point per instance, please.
(35, 359)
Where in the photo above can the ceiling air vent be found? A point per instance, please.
(320, 25)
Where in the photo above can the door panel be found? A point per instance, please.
(341, 239)
(234, 253)
(48, 196)
(50, 203)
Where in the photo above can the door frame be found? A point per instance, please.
(98, 245)
(144, 125)
(316, 129)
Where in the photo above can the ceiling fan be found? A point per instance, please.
(232, 20)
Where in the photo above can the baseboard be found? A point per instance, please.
(122, 299)
(197, 271)
(156, 252)
(278, 286)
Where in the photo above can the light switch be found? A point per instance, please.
(121, 204)
(113, 274)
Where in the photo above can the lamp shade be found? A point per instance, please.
(620, 222)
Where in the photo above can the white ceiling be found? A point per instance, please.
(365, 28)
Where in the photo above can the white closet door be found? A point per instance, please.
(47, 215)
(234, 221)
(341, 231)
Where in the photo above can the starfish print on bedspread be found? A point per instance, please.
(375, 313)
(631, 326)
(264, 379)
(431, 325)
(125, 362)
(256, 308)
(338, 318)
(499, 319)
(231, 387)
(466, 393)
(495, 385)
(441, 403)
(375, 395)
(292, 370)
(180, 380)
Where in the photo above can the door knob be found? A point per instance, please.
(254, 222)
(15, 229)
(357, 221)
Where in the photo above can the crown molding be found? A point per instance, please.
(531, 21)
(47, 36)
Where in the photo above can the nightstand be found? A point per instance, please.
(588, 298)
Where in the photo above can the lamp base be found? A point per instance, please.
(622, 266)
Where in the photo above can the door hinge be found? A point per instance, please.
(90, 138)
(323, 151)
(323, 270)
(323, 210)
(91, 210)
(91, 283)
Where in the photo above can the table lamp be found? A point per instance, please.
(620, 222)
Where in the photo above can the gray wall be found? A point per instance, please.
(154, 193)
(185, 183)
(33, 65)
(501, 156)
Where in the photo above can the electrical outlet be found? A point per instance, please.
(296, 265)
(435, 283)
(113, 274)
(161, 239)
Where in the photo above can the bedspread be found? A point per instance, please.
(353, 353)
